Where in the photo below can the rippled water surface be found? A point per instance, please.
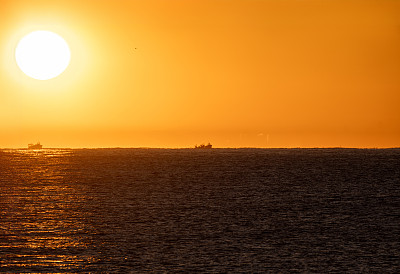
(219, 210)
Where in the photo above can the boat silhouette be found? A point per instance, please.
(35, 146)
(203, 146)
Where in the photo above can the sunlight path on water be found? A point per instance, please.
(42, 227)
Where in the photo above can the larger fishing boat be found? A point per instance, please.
(203, 146)
(35, 146)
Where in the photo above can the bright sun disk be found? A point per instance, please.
(42, 55)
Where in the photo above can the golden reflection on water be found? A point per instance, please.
(41, 217)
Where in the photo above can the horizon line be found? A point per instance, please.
(327, 147)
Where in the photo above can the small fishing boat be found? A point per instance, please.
(35, 146)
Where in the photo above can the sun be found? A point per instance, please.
(42, 55)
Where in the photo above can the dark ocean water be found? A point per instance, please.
(219, 210)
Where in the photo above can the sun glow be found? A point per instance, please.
(42, 55)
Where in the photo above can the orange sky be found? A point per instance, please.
(237, 73)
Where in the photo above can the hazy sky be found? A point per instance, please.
(237, 73)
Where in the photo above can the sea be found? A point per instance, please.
(200, 210)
